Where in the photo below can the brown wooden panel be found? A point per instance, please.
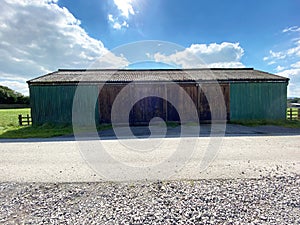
(147, 108)
(107, 96)
(203, 106)
(191, 91)
(178, 101)
(226, 93)
(210, 100)
(150, 104)
(172, 93)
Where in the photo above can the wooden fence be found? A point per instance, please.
(24, 120)
(293, 114)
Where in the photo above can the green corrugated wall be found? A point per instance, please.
(260, 100)
(53, 103)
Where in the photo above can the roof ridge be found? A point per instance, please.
(171, 69)
(126, 75)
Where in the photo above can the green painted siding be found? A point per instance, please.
(53, 103)
(261, 100)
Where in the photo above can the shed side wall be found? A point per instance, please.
(261, 100)
(53, 103)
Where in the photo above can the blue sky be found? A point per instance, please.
(40, 36)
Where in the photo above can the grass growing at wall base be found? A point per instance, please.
(9, 127)
(44, 131)
(281, 123)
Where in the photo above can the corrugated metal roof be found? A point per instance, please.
(156, 75)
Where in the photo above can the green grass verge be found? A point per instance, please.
(254, 123)
(44, 131)
(9, 126)
(172, 124)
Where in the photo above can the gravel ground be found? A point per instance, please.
(268, 200)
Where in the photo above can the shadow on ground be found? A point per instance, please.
(171, 132)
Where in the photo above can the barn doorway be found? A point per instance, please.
(149, 107)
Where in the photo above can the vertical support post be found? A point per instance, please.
(199, 101)
(20, 119)
(166, 102)
(291, 113)
(298, 114)
(27, 119)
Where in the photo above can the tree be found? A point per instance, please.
(293, 100)
(9, 96)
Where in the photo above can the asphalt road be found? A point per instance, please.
(54, 160)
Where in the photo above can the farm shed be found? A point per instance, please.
(247, 94)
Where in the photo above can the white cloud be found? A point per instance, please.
(295, 51)
(125, 9)
(38, 36)
(291, 29)
(294, 85)
(294, 90)
(19, 86)
(280, 68)
(115, 22)
(14, 82)
(111, 18)
(117, 26)
(275, 55)
(296, 65)
(291, 52)
(202, 55)
(289, 60)
(125, 24)
(110, 61)
(290, 73)
(271, 62)
(125, 6)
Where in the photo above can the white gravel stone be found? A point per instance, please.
(267, 200)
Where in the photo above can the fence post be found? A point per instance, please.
(27, 119)
(291, 113)
(20, 119)
(298, 114)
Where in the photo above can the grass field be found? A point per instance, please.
(9, 117)
(9, 127)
